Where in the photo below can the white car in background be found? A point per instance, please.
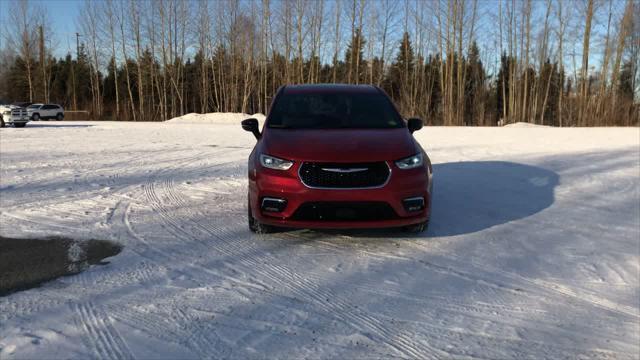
(45, 112)
(13, 115)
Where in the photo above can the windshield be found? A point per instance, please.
(33, 106)
(334, 111)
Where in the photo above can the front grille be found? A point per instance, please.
(344, 175)
(344, 211)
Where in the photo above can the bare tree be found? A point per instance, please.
(167, 57)
(125, 58)
(90, 25)
(626, 28)
(111, 23)
(584, 72)
(560, 34)
(336, 41)
(21, 36)
(134, 7)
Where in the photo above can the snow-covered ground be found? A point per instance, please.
(533, 250)
(215, 118)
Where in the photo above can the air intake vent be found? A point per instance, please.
(344, 211)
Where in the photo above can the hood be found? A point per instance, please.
(339, 145)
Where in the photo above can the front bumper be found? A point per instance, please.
(402, 184)
(14, 119)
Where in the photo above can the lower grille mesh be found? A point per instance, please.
(344, 211)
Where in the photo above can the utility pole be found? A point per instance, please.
(78, 46)
(73, 72)
(43, 67)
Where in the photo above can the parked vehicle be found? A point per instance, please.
(45, 112)
(22, 104)
(337, 156)
(13, 115)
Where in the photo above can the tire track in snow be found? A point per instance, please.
(162, 197)
(40, 195)
(103, 346)
(205, 338)
(305, 289)
(534, 286)
(37, 222)
(100, 336)
(516, 283)
(176, 328)
(172, 198)
(166, 259)
(462, 308)
(592, 299)
(308, 290)
(174, 227)
(200, 338)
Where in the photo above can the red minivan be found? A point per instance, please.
(337, 157)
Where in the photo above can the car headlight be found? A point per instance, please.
(411, 162)
(272, 162)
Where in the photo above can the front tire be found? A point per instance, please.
(256, 226)
(1, 122)
(35, 117)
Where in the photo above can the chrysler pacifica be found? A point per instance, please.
(337, 156)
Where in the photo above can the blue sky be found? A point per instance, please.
(62, 15)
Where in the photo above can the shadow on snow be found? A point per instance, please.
(471, 196)
(476, 195)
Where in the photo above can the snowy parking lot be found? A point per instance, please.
(533, 250)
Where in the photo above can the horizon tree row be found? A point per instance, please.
(462, 62)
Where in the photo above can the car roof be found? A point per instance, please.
(330, 88)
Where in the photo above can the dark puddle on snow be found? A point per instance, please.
(26, 263)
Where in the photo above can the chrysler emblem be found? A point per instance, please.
(345, 170)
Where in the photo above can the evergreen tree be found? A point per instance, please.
(354, 59)
(502, 86)
(17, 77)
(434, 90)
(402, 70)
(626, 81)
(108, 87)
(474, 88)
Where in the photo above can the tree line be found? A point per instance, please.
(451, 62)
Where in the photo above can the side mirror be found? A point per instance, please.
(414, 124)
(251, 125)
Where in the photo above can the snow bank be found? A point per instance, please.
(215, 118)
(525, 125)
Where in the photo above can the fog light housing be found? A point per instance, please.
(275, 205)
(413, 204)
